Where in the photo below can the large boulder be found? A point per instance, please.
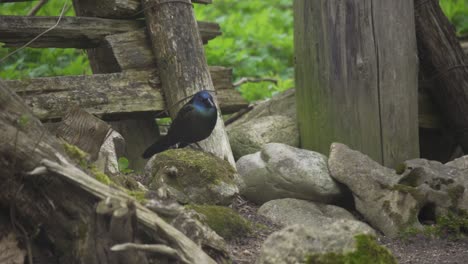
(273, 120)
(391, 201)
(191, 176)
(338, 242)
(290, 211)
(249, 137)
(280, 171)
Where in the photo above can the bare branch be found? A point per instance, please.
(37, 7)
(251, 79)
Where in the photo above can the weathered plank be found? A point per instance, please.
(118, 8)
(132, 50)
(112, 96)
(397, 69)
(181, 62)
(442, 59)
(346, 72)
(74, 32)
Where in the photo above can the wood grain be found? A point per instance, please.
(74, 32)
(345, 72)
(114, 96)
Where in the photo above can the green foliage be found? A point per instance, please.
(34, 62)
(123, 164)
(368, 251)
(257, 41)
(457, 13)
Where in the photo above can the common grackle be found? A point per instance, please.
(194, 122)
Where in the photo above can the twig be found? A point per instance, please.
(251, 79)
(37, 7)
(238, 115)
(160, 249)
(38, 36)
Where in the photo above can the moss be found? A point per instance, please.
(223, 220)
(455, 193)
(188, 162)
(400, 168)
(100, 176)
(368, 251)
(453, 224)
(138, 195)
(76, 154)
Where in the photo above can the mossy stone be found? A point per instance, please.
(223, 220)
(368, 251)
(192, 176)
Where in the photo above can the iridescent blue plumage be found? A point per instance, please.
(194, 122)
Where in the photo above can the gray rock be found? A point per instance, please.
(393, 202)
(250, 136)
(460, 163)
(281, 171)
(273, 120)
(293, 211)
(191, 176)
(297, 243)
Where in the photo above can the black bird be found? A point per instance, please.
(194, 122)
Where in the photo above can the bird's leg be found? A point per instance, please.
(195, 146)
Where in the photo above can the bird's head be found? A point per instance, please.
(204, 98)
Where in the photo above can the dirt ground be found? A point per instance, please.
(414, 250)
(421, 249)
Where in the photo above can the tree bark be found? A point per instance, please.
(443, 61)
(181, 62)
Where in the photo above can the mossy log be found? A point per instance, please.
(56, 200)
(181, 62)
(74, 32)
(443, 62)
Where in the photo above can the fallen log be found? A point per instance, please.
(113, 96)
(52, 198)
(443, 62)
(74, 32)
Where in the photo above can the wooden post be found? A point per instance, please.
(138, 134)
(356, 76)
(181, 62)
(443, 64)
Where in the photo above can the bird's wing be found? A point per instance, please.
(184, 114)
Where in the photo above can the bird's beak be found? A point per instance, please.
(212, 104)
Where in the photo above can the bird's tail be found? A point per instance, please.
(162, 144)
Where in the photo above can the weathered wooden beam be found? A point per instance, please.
(112, 96)
(118, 8)
(74, 32)
(132, 50)
(181, 62)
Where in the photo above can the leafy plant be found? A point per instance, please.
(457, 13)
(124, 164)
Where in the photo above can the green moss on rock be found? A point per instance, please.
(210, 166)
(76, 154)
(223, 220)
(368, 251)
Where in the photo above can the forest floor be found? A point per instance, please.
(418, 249)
